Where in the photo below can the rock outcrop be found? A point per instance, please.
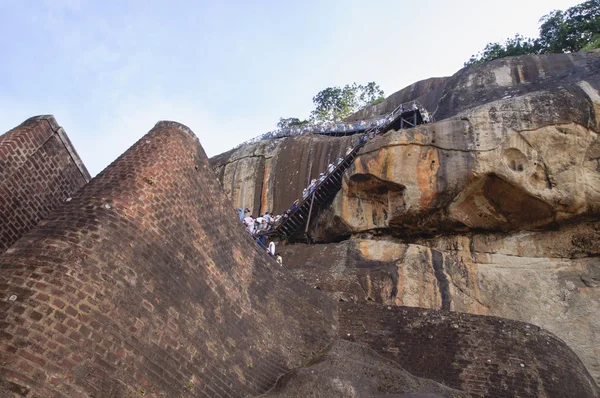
(426, 92)
(132, 289)
(548, 278)
(348, 369)
(270, 175)
(494, 209)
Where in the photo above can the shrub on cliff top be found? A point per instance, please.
(336, 103)
(573, 30)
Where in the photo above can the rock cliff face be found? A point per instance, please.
(494, 209)
(270, 175)
(131, 288)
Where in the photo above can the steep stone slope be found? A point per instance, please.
(133, 288)
(460, 214)
(348, 369)
(145, 283)
(270, 175)
(549, 278)
(484, 356)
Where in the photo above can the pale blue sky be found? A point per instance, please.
(109, 70)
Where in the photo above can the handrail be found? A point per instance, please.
(365, 125)
(389, 118)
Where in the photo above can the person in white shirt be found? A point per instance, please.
(272, 249)
(249, 221)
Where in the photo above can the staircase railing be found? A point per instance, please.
(320, 190)
(349, 127)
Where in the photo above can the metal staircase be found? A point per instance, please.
(300, 216)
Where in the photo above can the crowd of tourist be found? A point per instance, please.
(342, 128)
(254, 226)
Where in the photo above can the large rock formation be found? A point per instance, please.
(549, 278)
(145, 283)
(270, 175)
(494, 209)
(347, 369)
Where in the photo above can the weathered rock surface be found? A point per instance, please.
(270, 175)
(539, 151)
(427, 92)
(132, 288)
(348, 369)
(549, 278)
(521, 163)
(494, 209)
(485, 356)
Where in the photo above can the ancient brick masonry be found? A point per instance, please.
(146, 284)
(482, 355)
(39, 169)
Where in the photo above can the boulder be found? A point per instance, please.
(548, 278)
(491, 210)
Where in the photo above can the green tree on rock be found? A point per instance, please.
(285, 123)
(576, 29)
(336, 103)
(517, 45)
(571, 30)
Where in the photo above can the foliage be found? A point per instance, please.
(593, 44)
(560, 32)
(376, 101)
(285, 123)
(335, 103)
(570, 30)
(518, 45)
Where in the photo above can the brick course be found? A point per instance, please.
(39, 169)
(145, 283)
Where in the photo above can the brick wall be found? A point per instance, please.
(39, 169)
(145, 284)
(482, 355)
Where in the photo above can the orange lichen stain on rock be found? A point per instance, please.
(427, 168)
(468, 285)
(400, 286)
(381, 250)
(266, 199)
(416, 286)
(353, 210)
(420, 138)
(372, 163)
